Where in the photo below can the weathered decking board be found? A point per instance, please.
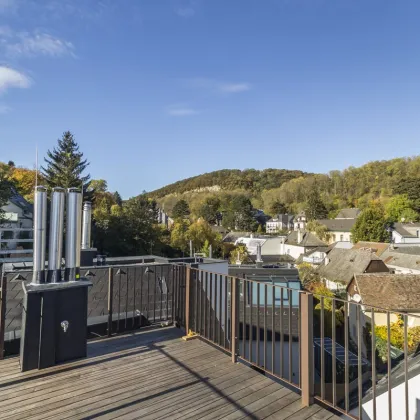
(148, 375)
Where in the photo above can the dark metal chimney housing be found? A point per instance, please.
(87, 223)
(73, 234)
(40, 226)
(55, 246)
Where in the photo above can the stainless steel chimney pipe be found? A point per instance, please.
(87, 223)
(73, 234)
(55, 247)
(40, 227)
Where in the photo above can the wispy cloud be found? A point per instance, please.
(185, 12)
(4, 109)
(33, 44)
(10, 78)
(181, 111)
(218, 86)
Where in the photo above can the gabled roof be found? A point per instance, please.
(348, 213)
(308, 239)
(284, 218)
(398, 258)
(19, 201)
(398, 292)
(338, 225)
(234, 236)
(343, 264)
(376, 247)
(407, 230)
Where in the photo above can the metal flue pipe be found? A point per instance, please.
(55, 247)
(87, 223)
(73, 234)
(40, 227)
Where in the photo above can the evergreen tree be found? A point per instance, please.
(181, 210)
(315, 207)
(65, 165)
(117, 198)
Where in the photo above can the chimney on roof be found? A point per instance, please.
(259, 259)
(299, 236)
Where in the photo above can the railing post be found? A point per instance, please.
(234, 313)
(187, 298)
(110, 297)
(307, 348)
(3, 295)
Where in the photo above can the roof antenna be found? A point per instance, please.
(36, 166)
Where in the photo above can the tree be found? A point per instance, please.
(181, 210)
(201, 232)
(98, 185)
(278, 208)
(209, 210)
(399, 207)
(24, 180)
(179, 237)
(307, 274)
(240, 253)
(370, 225)
(315, 207)
(117, 198)
(65, 165)
(238, 213)
(319, 230)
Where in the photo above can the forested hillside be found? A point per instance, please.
(274, 190)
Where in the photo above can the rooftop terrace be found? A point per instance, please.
(148, 375)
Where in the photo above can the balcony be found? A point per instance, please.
(260, 351)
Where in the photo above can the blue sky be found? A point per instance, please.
(159, 90)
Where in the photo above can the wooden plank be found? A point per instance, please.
(217, 410)
(77, 380)
(101, 387)
(276, 405)
(247, 409)
(164, 402)
(145, 390)
(305, 413)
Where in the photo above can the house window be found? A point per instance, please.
(341, 237)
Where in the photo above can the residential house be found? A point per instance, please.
(298, 243)
(18, 215)
(341, 265)
(299, 222)
(281, 222)
(314, 256)
(406, 233)
(338, 229)
(352, 213)
(393, 292)
(232, 237)
(402, 260)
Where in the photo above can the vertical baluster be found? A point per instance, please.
(133, 319)
(346, 355)
(258, 324)
(373, 357)
(281, 332)
(205, 305)
(195, 282)
(388, 324)
(141, 295)
(167, 291)
(334, 352)
(211, 307)
(226, 313)
(359, 361)
(119, 300)
(273, 327)
(243, 318)
(265, 326)
(289, 297)
(126, 300)
(216, 300)
(407, 412)
(322, 349)
(251, 325)
(161, 292)
(220, 308)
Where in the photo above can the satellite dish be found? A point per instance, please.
(357, 298)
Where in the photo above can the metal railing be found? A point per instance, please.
(353, 357)
(360, 360)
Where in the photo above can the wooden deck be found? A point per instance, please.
(148, 375)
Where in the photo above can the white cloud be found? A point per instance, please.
(33, 44)
(181, 111)
(185, 12)
(217, 86)
(235, 87)
(10, 78)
